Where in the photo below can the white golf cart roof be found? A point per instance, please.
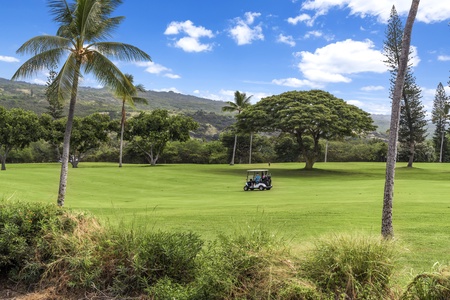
(258, 170)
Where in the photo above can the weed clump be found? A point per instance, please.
(434, 285)
(351, 266)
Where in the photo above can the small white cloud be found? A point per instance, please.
(190, 42)
(296, 83)
(371, 88)
(289, 40)
(443, 57)
(172, 76)
(171, 89)
(8, 59)
(157, 69)
(303, 18)
(243, 33)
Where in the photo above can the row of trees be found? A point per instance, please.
(148, 133)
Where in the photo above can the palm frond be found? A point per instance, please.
(108, 74)
(139, 100)
(121, 51)
(62, 11)
(37, 63)
(43, 43)
(63, 82)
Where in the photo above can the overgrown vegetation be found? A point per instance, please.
(44, 246)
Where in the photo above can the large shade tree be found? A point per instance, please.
(307, 116)
(241, 101)
(150, 132)
(128, 97)
(387, 229)
(84, 27)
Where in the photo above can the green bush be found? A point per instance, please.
(352, 267)
(433, 285)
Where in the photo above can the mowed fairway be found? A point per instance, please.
(302, 206)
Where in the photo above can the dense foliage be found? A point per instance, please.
(44, 246)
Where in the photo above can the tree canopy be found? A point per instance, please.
(308, 116)
(150, 132)
(18, 128)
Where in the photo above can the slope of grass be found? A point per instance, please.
(208, 199)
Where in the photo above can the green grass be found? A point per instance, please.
(302, 206)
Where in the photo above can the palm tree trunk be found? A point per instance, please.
(67, 134)
(234, 150)
(250, 151)
(387, 229)
(122, 128)
(411, 154)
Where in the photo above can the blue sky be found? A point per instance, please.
(211, 49)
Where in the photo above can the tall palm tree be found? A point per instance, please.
(84, 25)
(241, 101)
(130, 98)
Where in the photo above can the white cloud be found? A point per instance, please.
(371, 88)
(334, 62)
(171, 89)
(444, 57)
(8, 59)
(172, 76)
(296, 83)
(429, 11)
(286, 40)
(157, 69)
(243, 33)
(318, 34)
(303, 18)
(190, 42)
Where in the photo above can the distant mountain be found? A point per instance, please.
(90, 100)
(210, 116)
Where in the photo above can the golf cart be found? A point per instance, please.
(259, 179)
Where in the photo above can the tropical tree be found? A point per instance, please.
(128, 97)
(387, 229)
(84, 26)
(307, 116)
(412, 126)
(241, 101)
(150, 132)
(440, 117)
(88, 133)
(18, 128)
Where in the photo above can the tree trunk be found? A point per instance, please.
(250, 151)
(67, 134)
(234, 150)
(411, 154)
(122, 128)
(387, 229)
(442, 145)
(309, 163)
(3, 158)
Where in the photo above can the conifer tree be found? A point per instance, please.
(440, 117)
(412, 126)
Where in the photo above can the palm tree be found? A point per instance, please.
(130, 98)
(241, 101)
(83, 28)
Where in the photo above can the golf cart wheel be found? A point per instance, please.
(261, 188)
(245, 188)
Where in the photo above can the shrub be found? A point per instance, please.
(433, 285)
(353, 267)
